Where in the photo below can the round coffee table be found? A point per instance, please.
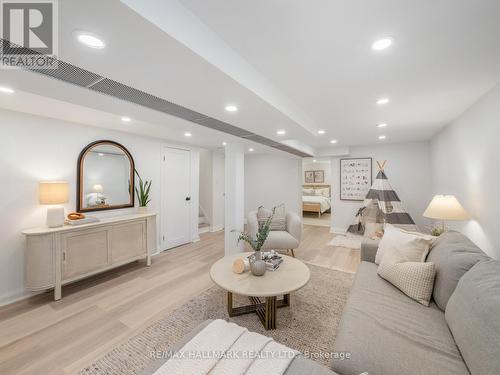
(289, 277)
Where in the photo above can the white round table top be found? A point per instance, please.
(291, 275)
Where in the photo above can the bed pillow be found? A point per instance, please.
(308, 192)
(413, 246)
(324, 192)
(278, 222)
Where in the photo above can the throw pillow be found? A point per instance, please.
(415, 279)
(413, 246)
(308, 192)
(278, 222)
(322, 192)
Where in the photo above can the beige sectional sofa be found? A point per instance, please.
(388, 333)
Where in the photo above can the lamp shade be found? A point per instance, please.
(53, 192)
(446, 207)
(97, 188)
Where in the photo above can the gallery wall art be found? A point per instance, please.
(355, 178)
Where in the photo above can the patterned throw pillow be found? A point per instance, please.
(415, 279)
(278, 222)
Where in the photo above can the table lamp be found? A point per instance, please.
(54, 193)
(445, 207)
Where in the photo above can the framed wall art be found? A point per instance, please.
(319, 177)
(355, 178)
(309, 177)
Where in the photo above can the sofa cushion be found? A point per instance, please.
(280, 240)
(388, 333)
(473, 315)
(453, 254)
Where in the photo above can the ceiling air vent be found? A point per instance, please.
(84, 78)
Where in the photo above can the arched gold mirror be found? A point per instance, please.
(105, 179)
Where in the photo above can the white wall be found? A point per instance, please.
(217, 222)
(320, 165)
(271, 180)
(34, 148)
(409, 173)
(466, 163)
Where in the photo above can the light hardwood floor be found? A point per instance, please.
(42, 336)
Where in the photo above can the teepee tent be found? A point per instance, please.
(381, 205)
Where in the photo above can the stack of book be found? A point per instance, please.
(273, 263)
(272, 259)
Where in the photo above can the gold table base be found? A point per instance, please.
(265, 310)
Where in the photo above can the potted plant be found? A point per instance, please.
(257, 265)
(142, 192)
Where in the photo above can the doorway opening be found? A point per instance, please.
(211, 207)
(317, 192)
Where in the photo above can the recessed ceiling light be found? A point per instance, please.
(126, 119)
(381, 137)
(333, 141)
(187, 134)
(231, 108)
(382, 44)
(321, 131)
(250, 149)
(281, 132)
(89, 39)
(383, 101)
(224, 143)
(6, 90)
(100, 154)
(314, 161)
(381, 125)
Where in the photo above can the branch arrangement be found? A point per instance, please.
(261, 235)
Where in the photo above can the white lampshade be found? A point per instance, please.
(53, 192)
(446, 207)
(97, 188)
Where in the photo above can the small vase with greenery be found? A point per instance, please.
(438, 230)
(257, 265)
(142, 192)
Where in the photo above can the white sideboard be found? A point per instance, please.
(58, 256)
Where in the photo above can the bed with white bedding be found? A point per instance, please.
(316, 198)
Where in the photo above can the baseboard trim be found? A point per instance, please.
(17, 296)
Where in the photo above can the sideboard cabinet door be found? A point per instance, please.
(84, 252)
(128, 240)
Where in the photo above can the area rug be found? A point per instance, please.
(350, 241)
(309, 325)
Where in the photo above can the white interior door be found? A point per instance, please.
(176, 222)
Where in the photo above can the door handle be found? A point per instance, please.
(188, 198)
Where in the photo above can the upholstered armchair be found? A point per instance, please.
(286, 240)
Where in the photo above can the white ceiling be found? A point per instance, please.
(446, 54)
(287, 64)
